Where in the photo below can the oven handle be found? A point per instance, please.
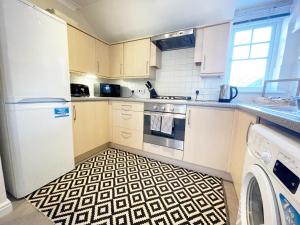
(175, 116)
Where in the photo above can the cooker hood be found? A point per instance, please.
(175, 40)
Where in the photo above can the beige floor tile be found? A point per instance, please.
(232, 201)
(24, 214)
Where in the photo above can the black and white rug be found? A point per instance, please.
(120, 188)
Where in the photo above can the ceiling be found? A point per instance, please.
(119, 20)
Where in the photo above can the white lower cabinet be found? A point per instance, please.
(127, 121)
(242, 124)
(90, 125)
(128, 137)
(208, 137)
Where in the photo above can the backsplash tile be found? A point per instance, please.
(180, 76)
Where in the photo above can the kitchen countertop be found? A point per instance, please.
(163, 101)
(285, 119)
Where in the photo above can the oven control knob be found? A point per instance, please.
(155, 107)
(162, 108)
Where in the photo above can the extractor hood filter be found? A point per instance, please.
(175, 40)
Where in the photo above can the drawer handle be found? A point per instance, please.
(126, 116)
(125, 135)
(126, 107)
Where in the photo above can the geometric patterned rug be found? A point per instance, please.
(120, 188)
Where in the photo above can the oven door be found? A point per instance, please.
(175, 140)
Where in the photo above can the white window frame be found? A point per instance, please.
(276, 24)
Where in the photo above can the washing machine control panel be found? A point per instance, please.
(286, 176)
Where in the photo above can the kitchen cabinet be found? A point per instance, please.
(155, 56)
(208, 137)
(90, 125)
(137, 59)
(102, 58)
(242, 122)
(116, 61)
(211, 49)
(82, 56)
(128, 121)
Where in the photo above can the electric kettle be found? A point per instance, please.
(227, 93)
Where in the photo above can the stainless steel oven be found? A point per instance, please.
(173, 139)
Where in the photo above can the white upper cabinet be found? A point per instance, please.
(211, 49)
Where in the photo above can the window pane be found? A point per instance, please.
(242, 37)
(259, 50)
(262, 34)
(241, 52)
(248, 73)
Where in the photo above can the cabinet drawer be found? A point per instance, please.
(128, 119)
(127, 137)
(128, 106)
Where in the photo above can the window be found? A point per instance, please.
(253, 52)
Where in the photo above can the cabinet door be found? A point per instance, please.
(90, 126)
(82, 128)
(242, 123)
(81, 51)
(136, 58)
(102, 59)
(214, 49)
(101, 122)
(208, 137)
(116, 60)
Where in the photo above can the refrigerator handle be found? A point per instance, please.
(40, 100)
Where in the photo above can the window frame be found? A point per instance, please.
(276, 24)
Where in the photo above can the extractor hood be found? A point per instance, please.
(175, 40)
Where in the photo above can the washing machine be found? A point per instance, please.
(270, 193)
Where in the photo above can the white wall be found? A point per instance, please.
(5, 204)
(75, 15)
(291, 62)
(290, 67)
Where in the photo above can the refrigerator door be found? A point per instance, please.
(34, 53)
(40, 146)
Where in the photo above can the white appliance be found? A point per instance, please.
(270, 192)
(36, 142)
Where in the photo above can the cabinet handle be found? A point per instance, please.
(248, 129)
(74, 113)
(125, 135)
(98, 67)
(147, 67)
(126, 107)
(126, 116)
(189, 118)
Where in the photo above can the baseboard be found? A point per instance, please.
(218, 173)
(5, 208)
(91, 153)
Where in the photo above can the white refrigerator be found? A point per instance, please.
(36, 139)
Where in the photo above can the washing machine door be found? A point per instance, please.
(258, 204)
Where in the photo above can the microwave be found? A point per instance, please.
(109, 90)
(79, 90)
